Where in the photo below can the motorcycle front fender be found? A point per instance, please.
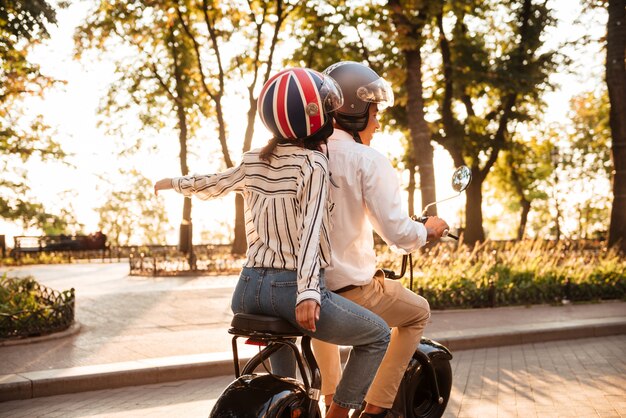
(427, 381)
(259, 395)
(433, 350)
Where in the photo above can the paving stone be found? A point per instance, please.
(520, 393)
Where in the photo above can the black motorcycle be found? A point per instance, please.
(423, 392)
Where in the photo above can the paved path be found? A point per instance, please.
(577, 378)
(125, 318)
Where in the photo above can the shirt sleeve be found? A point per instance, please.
(211, 185)
(381, 191)
(313, 204)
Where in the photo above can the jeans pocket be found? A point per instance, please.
(237, 303)
(283, 297)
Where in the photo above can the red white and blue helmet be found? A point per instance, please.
(296, 102)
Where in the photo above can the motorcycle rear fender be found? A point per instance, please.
(258, 395)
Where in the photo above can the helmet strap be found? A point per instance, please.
(322, 134)
(353, 123)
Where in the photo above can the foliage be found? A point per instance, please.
(590, 138)
(23, 135)
(482, 73)
(520, 175)
(178, 60)
(36, 258)
(524, 272)
(28, 308)
(130, 212)
(150, 49)
(585, 163)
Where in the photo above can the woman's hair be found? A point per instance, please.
(268, 150)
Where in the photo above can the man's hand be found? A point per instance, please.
(435, 227)
(307, 313)
(163, 184)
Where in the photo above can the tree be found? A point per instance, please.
(131, 214)
(410, 19)
(389, 38)
(158, 77)
(493, 76)
(250, 22)
(178, 67)
(587, 161)
(616, 83)
(23, 136)
(519, 174)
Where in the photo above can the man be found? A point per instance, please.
(366, 194)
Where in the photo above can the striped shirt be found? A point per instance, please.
(287, 212)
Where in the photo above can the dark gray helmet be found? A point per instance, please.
(360, 86)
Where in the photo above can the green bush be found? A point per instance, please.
(514, 273)
(28, 308)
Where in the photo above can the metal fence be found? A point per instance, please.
(168, 261)
(49, 310)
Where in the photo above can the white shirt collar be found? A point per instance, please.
(341, 135)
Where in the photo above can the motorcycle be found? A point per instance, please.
(423, 392)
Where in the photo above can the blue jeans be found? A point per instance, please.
(342, 322)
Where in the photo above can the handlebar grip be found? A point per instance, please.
(390, 274)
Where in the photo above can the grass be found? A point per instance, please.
(515, 273)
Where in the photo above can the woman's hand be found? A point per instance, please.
(307, 313)
(163, 184)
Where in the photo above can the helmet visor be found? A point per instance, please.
(378, 91)
(330, 95)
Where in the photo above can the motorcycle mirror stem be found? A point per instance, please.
(460, 180)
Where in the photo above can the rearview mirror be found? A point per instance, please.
(461, 178)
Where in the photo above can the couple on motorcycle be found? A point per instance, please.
(318, 170)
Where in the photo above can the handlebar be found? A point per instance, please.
(446, 232)
(390, 274)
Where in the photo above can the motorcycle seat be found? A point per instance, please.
(252, 325)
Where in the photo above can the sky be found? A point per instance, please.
(71, 110)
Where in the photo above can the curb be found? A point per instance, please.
(73, 329)
(167, 369)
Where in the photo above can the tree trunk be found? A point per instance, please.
(616, 82)
(519, 190)
(422, 149)
(557, 222)
(411, 189)
(453, 140)
(523, 218)
(474, 216)
(185, 242)
(240, 244)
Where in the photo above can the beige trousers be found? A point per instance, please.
(405, 312)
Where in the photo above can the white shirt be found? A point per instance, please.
(287, 210)
(368, 195)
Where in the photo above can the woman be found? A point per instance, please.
(285, 188)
